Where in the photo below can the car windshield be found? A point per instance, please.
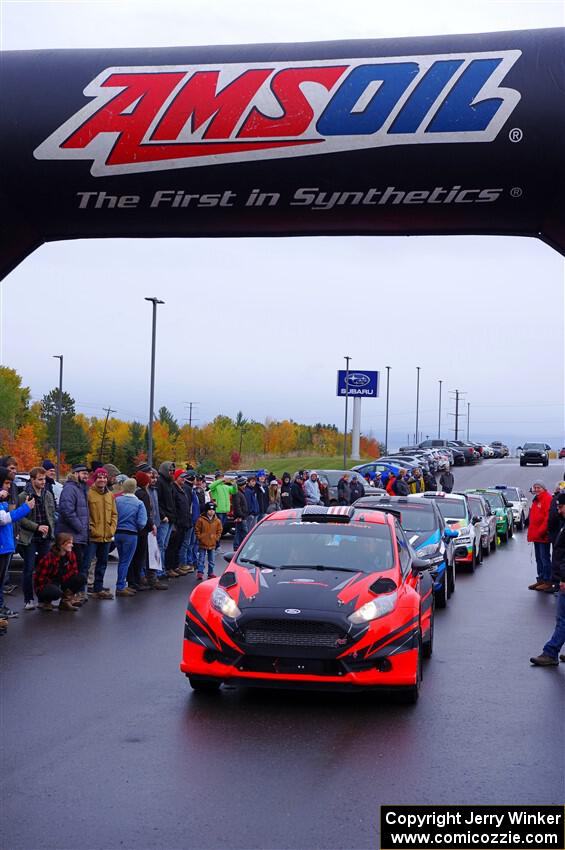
(538, 447)
(452, 508)
(476, 506)
(495, 500)
(365, 548)
(512, 494)
(417, 519)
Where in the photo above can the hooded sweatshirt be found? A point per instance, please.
(165, 493)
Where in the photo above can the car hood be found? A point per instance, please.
(304, 589)
(419, 539)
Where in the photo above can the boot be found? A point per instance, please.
(66, 604)
(45, 606)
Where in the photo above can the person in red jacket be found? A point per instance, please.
(538, 535)
(57, 576)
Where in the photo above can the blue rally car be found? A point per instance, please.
(428, 535)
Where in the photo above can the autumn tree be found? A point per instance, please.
(14, 400)
(166, 418)
(25, 449)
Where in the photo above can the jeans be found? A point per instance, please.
(51, 592)
(164, 531)
(223, 519)
(239, 534)
(33, 552)
(557, 639)
(211, 553)
(101, 550)
(192, 547)
(543, 560)
(184, 551)
(126, 545)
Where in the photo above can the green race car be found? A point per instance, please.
(501, 507)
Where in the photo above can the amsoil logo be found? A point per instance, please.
(156, 118)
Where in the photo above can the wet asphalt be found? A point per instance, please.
(104, 746)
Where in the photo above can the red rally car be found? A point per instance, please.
(329, 598)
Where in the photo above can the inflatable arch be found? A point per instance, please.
(445, 135)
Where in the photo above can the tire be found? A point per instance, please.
(521, 525)
(480, 556)
(546, 463)
(409, 695)
(485, 551)
(493, 543)
(441, 596)
(451, 580)
(428, 646)
(202, 685)
(522, 464)
(511, 530)
(504, 537)
(473, 564)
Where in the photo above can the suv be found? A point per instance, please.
(534, 453)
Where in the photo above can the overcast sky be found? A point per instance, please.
(262, 325)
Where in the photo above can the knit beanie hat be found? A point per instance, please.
(539, 484)
(129, 485)
(177, 473)
(98, 472)
(47, 464)
(142, 479)
(112, 470)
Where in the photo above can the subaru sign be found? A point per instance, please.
(360, 384)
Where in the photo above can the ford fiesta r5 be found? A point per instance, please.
(329, 598)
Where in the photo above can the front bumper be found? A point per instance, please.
(392, 671)
(464, 553)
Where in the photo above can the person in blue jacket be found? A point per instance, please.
(7, 541)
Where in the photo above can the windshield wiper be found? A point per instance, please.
(256, 563)
(318, 567)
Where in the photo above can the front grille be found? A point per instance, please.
(289, 632)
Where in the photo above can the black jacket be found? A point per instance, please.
(297, 495)
(166, 499)
(554, 520)
(344, 492)
(558, 554)
(447, 481)
(400, 488)
(262, 493)
(286, 496)
(240, 505)
(143, 496)
(183, 507)
(356, 489)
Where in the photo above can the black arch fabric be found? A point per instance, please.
(446, 135)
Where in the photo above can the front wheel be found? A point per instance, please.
(493, 543)
(203, 685)
(410, 695)
(521, 523)
(451, 579)
(441, 596)
(504, 537)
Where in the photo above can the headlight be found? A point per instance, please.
(374, 609)
(223, 603)
(426, 551)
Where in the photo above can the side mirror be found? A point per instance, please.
(419, 565)
(228, 558)
(519, 448)
(475, 520)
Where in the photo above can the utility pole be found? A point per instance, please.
(59, 357)
(108, 412)
(417, 399)
(190, 405)
(468, 415)
(386, 415)
(347, 359)
(458, 395)
(154, 301)
(439, 414)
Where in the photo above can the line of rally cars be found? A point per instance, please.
(342, 597)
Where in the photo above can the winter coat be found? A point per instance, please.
(240, 505)
(558, 553)
(286, 492)
(272, 507)
(312, 492)
(208, 531)
(297, 495)
(262, 493)
(344, 492)
(29, 525)
(54, 569)
(221, 492)
(7, 520)
(73, 511)
(132, 516)
(144, 497)
(154, 500)
(554, 518)
(252, 503)
(391, 481)
(356, 490)
(165, 493)
(417, 485)
(430, 482)
(539, 518)
(183, 507)
(400, 487)
(446, 481)
(103, 516)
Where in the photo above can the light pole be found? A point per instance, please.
(417, 399)
(154, 301)
(347, 359)
(439, 414)
(468, 416)
(59, 357)
(386, 415)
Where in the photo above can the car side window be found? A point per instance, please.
(403, 552)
